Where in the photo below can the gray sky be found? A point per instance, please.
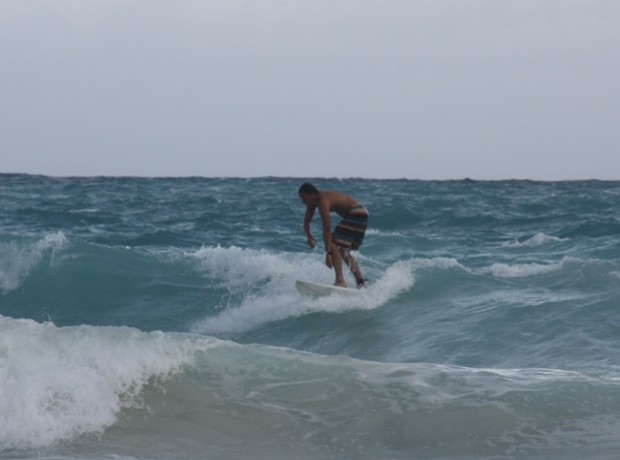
(427, 89)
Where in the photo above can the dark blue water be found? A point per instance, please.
(158, 318)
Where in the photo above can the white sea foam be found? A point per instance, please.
(438, 262)
(237, 267)
(502, 270)
(539, 239)
(17, 260)
(59, 383)
(269, 293)
(374, 231)
(498, 269)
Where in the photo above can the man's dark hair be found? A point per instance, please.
(308, 189)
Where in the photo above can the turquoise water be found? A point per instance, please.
(158, 319)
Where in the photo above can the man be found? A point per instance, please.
(347, 235)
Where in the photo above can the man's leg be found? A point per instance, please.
(353, 266)
(337, 262)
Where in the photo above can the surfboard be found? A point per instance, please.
(312, 289)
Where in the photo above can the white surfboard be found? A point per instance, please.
(311, 289)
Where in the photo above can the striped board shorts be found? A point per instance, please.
(349, 233)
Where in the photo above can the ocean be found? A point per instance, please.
(157, 318)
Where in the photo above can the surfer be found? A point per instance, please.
(347, 235)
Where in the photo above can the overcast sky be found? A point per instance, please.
(420, 89)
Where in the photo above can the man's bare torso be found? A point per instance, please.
(337, 202)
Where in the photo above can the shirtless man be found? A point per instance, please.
(347, 235)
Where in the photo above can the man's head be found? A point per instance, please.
(308, 189)
(308, 193)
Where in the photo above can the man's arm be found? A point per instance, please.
(307, 219)
(324, 212)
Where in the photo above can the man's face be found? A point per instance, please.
(306, 198)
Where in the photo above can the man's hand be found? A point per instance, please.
(328, 260)
(311, 241)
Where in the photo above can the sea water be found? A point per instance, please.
(158, 319)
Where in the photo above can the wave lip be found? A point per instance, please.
(18, 260)
(59, 383)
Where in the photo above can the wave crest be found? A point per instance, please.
(59, 383)
(18, 260)
(276, 298)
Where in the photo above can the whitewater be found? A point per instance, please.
(157, 318)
